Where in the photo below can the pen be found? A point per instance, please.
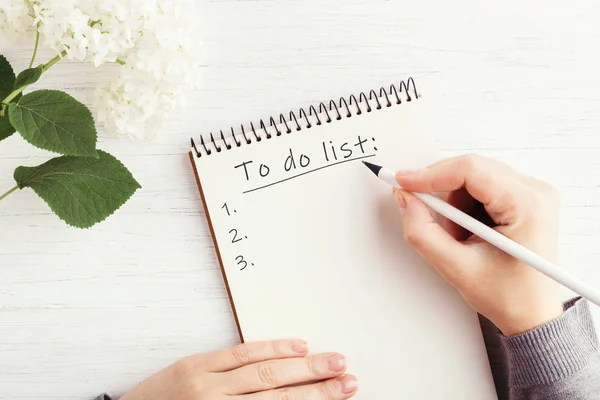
(495, 238)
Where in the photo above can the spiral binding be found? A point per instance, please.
(296, 122)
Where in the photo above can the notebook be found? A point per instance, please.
(310, 244)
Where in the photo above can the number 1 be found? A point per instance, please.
(226, 208)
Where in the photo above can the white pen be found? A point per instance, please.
(495, 238)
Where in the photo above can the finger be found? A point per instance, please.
(333, 389)
(494, 185)
(278, 373)
(248, 353)
(450, 174)
(462, 200)
(431, 241)
(443, 161)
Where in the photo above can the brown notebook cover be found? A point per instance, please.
(214, 239)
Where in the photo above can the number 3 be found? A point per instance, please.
(240, 260)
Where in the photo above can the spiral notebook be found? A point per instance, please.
(310, 244)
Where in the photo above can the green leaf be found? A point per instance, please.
(6, 129)
(7, 78)
(28, 77)
(53, 120)
(82, 191)
(7, 82)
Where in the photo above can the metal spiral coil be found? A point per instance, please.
(270, 128)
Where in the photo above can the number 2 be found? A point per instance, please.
(235, 238)
(240, 260)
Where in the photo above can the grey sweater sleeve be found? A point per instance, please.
(556, 361)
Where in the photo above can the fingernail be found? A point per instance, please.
(299, 346)
(400, 200)
(407, 172)
(348, 384)
(336, 363)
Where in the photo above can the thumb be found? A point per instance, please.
(452, 259)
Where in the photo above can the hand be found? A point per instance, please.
(511, 294)
(254, 371)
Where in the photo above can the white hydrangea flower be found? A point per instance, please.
(16, 21)
(99, 31)
(154, 40)
(158, 72)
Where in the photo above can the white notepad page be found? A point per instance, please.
(313, 249)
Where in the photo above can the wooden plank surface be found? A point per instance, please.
(83, 312)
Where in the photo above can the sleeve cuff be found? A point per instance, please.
(552, 351)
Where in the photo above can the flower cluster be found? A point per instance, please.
(15, 20)
(152, 40)
(158, 71)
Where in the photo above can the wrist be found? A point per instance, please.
(528, 320)
(554, 350)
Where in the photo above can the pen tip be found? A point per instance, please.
(374, 168)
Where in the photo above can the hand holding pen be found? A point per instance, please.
(523, 213)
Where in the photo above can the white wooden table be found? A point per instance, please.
(83, 312)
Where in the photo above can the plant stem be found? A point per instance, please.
(56, 59)
(9, 192)
(45, 67)
(11, 96)
(37, 42)
(30, 8)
